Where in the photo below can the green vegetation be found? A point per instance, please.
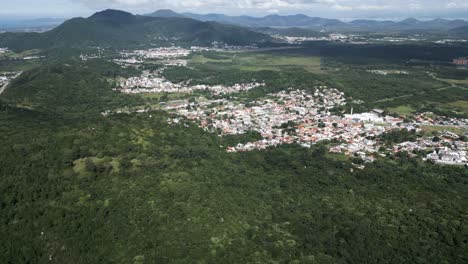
(78, 187)
(402, 110)
(71, 87)
(398, 136)
(247, 61)
(65, 198)
(462, 106)
(431, 130)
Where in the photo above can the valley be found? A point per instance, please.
(161, 138)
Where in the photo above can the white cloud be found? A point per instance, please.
(281, 6)
(455, 4)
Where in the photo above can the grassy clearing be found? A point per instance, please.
(164, 96)
(200, 59)
(79, 165)
(140, 137)
(13, 55)
(462, 106)
(402, 110)
(453, 81)
(430, 130)
(259, 61)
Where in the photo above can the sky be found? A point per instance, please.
(342, 9)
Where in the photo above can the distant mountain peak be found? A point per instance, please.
(115, 17)
(411, 20)
(165, 13)
(111, 13)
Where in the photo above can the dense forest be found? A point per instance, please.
(78, 187)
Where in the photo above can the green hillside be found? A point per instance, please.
(133, 189)
(72, 88)
(460, 31)
(112, 28)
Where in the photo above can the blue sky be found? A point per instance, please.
(344, 9)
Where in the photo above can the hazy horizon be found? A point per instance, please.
(340, 9)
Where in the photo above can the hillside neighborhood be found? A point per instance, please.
(296, 116)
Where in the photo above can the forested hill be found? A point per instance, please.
(113, 28)
(461, 31)
(68, 88)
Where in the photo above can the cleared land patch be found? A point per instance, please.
(402, 110)
(258, 61)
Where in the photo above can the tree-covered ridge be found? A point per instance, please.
(131, 187)
(73, 87)
(118, 29)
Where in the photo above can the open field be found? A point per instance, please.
(429, 130)
(13, 55)
(454, 81)
(250, 61)
(82, 166)
(402, 110)
(462, 105)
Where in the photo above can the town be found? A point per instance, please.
(170, 56)
(292, 116)
(153, 82)
(295, 116)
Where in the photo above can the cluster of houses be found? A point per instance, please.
(447, 149)
(3, 50)
(169, 56)
(153, 82)
(387, 72)
(159, 53)
(297, 40)
(335, 37)
(450, 41)
(449, 156)
(295, 116)
(460, 61)
(292, 116)
(431, 119)
(356, 38)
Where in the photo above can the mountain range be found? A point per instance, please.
(114, 28)
(305, 21)
(119, 29)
